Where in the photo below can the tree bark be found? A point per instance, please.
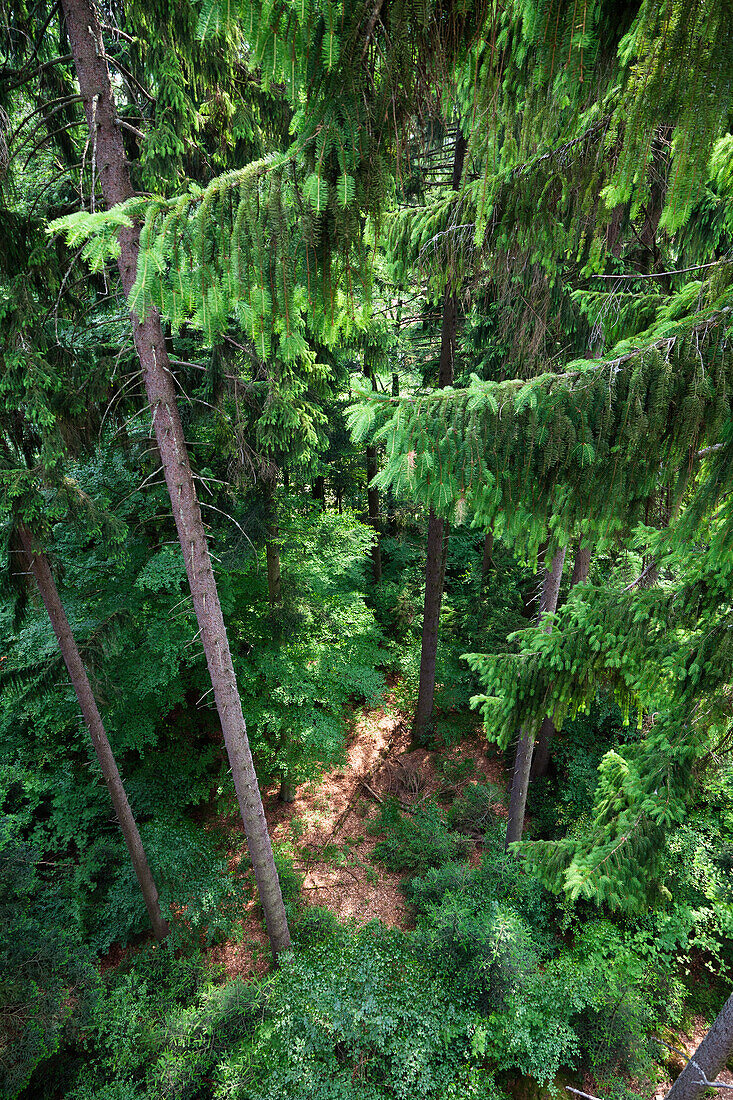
(525, 745)
(437, 529)
(373, 492)
(391, 499)
(39, 567)
(94, 84)
(709, 1058)
(581, 564)
(541, 755)
(318, 489)
(487, 560)
(272, 544)
(431, 618)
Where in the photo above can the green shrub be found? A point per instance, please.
(314, 924)
(357, 1016)
(47, 979)
(417, 840)
(196, 888)
(475, 808)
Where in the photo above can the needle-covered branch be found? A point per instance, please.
(582, 449)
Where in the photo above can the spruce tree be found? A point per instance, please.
(437, 542)
(87, 46)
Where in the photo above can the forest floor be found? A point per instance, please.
(325, 829)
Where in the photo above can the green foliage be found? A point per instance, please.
(475, 808)
(358, 1016)
(316, 654)
(48, 980)
(418, 839)
(194, 882)
(522, 454)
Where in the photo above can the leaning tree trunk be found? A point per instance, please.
(437, 529)
(708, 1060)
(94, 84)
(525, 745)
(39, 567)
(541, 755)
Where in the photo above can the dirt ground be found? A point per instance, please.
(325, 827)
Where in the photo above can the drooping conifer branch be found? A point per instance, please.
(586, 446)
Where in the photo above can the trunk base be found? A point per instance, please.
(288, 790)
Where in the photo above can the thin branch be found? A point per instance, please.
(369, 31)
(661, 274)
(129, 77)
(132, 129)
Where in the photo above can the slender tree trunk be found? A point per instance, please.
(709, 1058)
(487, 560)
(532, 596)
(391, 499)
(373, 492)
(39, 567)
(272, 544)
(541, 756)
(106, 144)
(525, 745)
(318, 489)
(437, 529)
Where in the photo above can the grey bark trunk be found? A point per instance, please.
(272, 545)
(541, 755)
(43, 576)
(431, 618)
(709, 1058)
(288, 789)
(373, 493)
(581, 564)
(487, 560)
(94, 84)
(437, 529)
(525, 746)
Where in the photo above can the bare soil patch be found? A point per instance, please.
(325, 827)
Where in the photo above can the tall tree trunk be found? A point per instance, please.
(373, 492)
(541, 755)
(581, 564)
(272, 544)
(39, 567)
(391, 499)
(525, 745)
(94, 84)
(487, 559)
(318, 489)
(437, 529)
(709, 1058)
